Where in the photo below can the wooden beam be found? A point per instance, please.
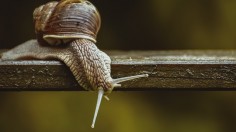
(168, 70)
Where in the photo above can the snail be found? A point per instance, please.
(67, 30)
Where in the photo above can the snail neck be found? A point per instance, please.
(93, 71)
(83, 41)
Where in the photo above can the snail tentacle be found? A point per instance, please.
(123, 79)
(99, 100)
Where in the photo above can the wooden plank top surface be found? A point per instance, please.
(168, 70)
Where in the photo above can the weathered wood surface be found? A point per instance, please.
(168, 70)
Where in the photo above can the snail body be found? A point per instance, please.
(67, 30)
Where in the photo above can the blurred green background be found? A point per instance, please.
(126, 25)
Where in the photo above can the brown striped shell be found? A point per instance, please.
(64, 21)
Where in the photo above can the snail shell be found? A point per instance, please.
(64, 21)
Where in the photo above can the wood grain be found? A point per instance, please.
(168, 70)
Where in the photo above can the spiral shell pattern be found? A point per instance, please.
(64, 21)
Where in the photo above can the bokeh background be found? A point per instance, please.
(129, 25)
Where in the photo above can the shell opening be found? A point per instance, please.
(58, 39)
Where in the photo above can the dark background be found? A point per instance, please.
(139, 24)
(128, 25)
